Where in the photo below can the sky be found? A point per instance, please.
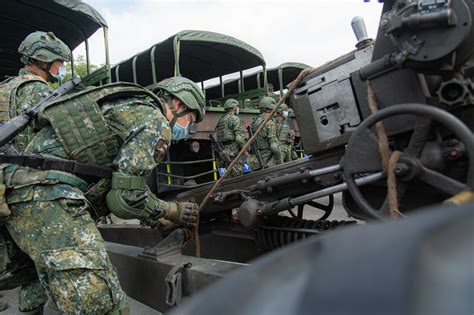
(307, 31)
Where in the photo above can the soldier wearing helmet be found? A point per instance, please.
(266, 140)
(96, 162)
(229, 132)
(43, 55)
(184, 104)
(285, 135)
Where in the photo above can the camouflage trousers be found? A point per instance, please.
(68, 251)
(17, 269)
(287, 153)
(232, 150)
(269, 158)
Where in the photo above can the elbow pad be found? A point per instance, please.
(121, 184)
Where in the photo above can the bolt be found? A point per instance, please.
(259, 211)
(317, 180)
(337, 176)
(401, 169)
(384, 23)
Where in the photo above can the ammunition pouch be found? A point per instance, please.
(223, 132)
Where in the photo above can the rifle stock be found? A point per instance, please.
(220, 149)
(254, 149)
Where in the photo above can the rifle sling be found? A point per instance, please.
(42, 163)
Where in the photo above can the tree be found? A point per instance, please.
(80, 67)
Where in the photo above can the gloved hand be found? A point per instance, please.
(183, 213)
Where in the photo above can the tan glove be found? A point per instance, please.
(183, 213)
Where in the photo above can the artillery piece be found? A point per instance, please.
(419, 70)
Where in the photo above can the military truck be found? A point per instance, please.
(71, 20)
(201, 56)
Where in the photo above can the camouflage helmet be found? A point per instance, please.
(266, 103)
(231, 103)
(186, 91)
(44, 47)
(283, 107)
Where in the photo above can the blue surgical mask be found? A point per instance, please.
(285, 114)
(179, 132)
(61, 74)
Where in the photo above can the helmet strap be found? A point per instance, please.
(176, 115)
(45, 69)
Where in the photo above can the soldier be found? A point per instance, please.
(97, 148)
(267, 142)
(286, 135)
(230, 134)
(43, 55)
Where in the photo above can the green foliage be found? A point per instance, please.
(80, 67)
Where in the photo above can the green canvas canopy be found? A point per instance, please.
(71, 20)
(289, 71)
(197, 55)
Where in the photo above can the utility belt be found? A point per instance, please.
(43, 163)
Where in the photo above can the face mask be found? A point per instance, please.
(285, 114)
(179, 132)
(61, 74)
(237, 111)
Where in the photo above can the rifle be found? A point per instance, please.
(14, 126)
(254, 149)
(219, 147)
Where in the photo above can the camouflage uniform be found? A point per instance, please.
(17, 94)
(286, 135)
(230, 134)
(118, 127)
(266, 141)
(62, 238)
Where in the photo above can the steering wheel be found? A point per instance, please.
(362, 155)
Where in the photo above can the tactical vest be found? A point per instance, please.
(261, 140)
(284, 132)
(9, 107)
(80, 126)
(223, 131)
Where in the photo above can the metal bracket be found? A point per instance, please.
(171, 245)
(174, 285)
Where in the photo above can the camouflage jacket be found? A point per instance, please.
(229, 128)
(285, 134)
(138, 128)
(268, 135)
(20, 93)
